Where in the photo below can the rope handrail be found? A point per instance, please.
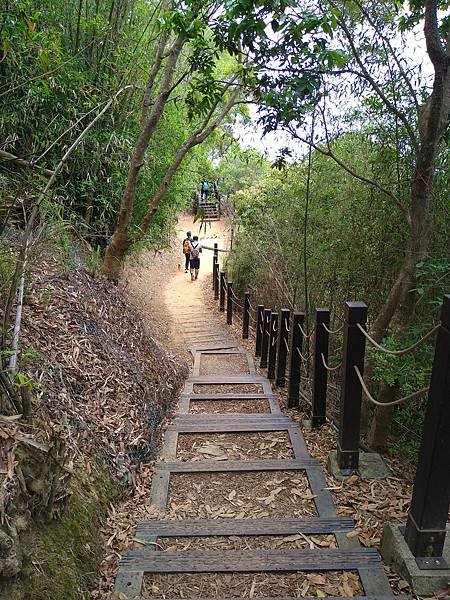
(302, 356)
(397, 352)
(234, 295)
(236, 303)
(251, 318)
(237, 316)
(274, 327)
(327, 367)
(394, 402)
(218, 249)
(260, 328)
(332, 331)
(250, 305)
(286, 344)
(304, 333)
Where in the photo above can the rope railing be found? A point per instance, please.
(394, 402)
(304, 334)
(333, 331)
(286, 325)
(236, 303)
(403, 350)
(234, 295)
(286, 344)
(302, 356)
(327, 367)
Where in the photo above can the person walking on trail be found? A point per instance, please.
(195, 250)
(187, 250)
(205, 189)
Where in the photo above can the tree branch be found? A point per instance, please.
(329, 152)
(8, 157)
(366, 74)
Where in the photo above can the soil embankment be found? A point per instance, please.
(101, 385)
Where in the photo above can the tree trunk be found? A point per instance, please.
(119, 244)
(397, 311)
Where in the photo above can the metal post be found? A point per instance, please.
(295, 362)
(246, 316)
(350, 401)
(216, 280)
(259, 329)
(320, 374)
(283, 340)
(229, 303)
(265, 338)
(427, 517)
(222, 292)
(273, 338)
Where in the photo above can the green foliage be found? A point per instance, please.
(71, 549)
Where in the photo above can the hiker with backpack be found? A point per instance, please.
(195, 249)
(187, 250)
(205, 189)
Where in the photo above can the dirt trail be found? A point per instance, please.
(158, 280)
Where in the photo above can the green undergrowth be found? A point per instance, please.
(62, 558)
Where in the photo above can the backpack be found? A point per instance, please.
(194, 251)
(186, 248)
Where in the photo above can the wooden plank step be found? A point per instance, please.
(315, 598)
(235, 427)
(225, 379)
(312, 598)
(231, 396)
(220, 466)
(249, 561)
(233, 418)
(227, 527)
(214, 346)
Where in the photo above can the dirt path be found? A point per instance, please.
(234, 490)
(159, 281)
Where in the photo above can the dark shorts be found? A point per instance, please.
(195, 263)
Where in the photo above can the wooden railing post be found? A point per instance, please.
(215, 265)
(259, 329)
(295, 362)
(222, 292)
(427, 517)
(351, 391)
(320, 373)
(273, 338)
(283, 340)
(215, 260)
(216, 280)
(246, 316)
(229, 303)
(265, 338)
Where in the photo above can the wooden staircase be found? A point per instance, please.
(208, 338)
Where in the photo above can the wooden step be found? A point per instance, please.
(250, 561)
(228, 466)
(237, 527)
(216, 423)
(232, 397)
(228, 379)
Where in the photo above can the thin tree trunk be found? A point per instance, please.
(118, 246)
